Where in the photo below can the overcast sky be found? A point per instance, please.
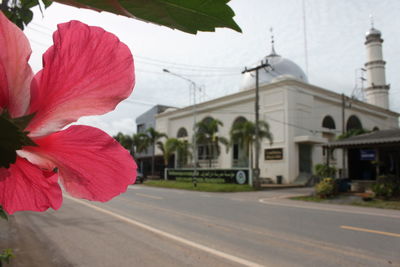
(335, 40)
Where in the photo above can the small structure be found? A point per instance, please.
(371, 154)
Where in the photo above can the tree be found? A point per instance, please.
(168, 148)
(244, 134)
(183, 153)
(152, 136)
(206, 135)
(135, 143)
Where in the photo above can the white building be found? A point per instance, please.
(301, 116)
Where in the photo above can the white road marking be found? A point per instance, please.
(215, 252)
(327, 208)
(149, 196)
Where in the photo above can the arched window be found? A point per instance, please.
(239, 120)
(182, 133)
(353, 123)
(328, 123)
(376, 128)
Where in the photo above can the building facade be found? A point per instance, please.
(301, 116)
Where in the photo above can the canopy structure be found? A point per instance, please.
(376, 139)
(371, 155)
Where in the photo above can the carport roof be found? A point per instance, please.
(372, 138)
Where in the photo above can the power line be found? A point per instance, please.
(187, 65)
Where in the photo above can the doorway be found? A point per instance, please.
(305, 158)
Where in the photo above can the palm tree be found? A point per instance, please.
(168, 148)
(183, 152)
(206, 134)
(152, 136)
(133, 143)
(244, 134)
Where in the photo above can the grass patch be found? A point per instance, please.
(378, 203)
(375, 203)
(204, 187)
(309, 198)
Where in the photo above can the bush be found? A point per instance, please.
(323, 170)
(326, 188)
(387, 187)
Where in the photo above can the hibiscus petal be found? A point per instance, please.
(87, 72)
(91, 164)
(15, 73)
(24, 186)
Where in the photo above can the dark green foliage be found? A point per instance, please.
(135, 143)
(12, 137)
(6, 256)
(19, 11)
(323, 170)
(3, 213)
(352, 132)
(387, 187)
(206, 134)
(326, 188)
(189, 16)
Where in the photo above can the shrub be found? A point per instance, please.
(323, 170)
(326, 188)
(387, 187)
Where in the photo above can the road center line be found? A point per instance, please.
(170, 236)
(149, 196)
(369, 231)
(326, 207)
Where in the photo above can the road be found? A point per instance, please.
(165, 227)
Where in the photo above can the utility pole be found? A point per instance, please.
(343, 131)
(256, 170)
(194, 87)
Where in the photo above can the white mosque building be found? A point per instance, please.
(301, 116)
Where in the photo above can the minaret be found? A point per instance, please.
(377, 91)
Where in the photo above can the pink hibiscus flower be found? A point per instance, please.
(86, 72)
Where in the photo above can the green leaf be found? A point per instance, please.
(26, 16)
(46, 3)
(23, 121)
(12, 137)
(29, 3)
(6, 255)
(186, 15)
(3, 214)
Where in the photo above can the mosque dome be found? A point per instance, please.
(279, 68)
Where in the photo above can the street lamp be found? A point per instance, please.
(194, 87)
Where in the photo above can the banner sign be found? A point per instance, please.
(367, 154)
(239, 176)
(273, 154)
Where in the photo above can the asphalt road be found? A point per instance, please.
(165, 227)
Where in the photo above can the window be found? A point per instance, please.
(353, 123)
(328, 123)
(182, 133)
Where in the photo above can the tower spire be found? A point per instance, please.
(371, 18)
(377, 91)
(273, 53)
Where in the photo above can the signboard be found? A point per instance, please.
(239, 176)
(273, 154)
(367, 154)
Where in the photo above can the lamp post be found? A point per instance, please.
(194, 87)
